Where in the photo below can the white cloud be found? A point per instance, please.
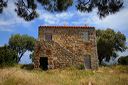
(1, 45)
(72, 17)
(116, 21)
(65, 15)
(5, 29)
(54, 18)
(9, 18)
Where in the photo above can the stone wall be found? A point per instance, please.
(67, 47)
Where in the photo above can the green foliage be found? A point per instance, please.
(105, 7)
(3, 4)
(56, 5)
(8, 57)
(26, 9)
(108, 43)
(32, 56)
(21, 44)
(80, 67)
(123, 60)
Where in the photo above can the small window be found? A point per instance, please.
(85, 36)
(48, 37)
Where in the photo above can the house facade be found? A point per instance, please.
(63, 46)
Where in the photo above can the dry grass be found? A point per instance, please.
(115, 75)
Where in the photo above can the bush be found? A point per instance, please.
(28, 66)
(80, 67)
(123, 60)
(8, 57)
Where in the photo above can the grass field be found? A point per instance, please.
(115, 75)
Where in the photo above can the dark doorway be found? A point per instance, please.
(44, 63)
(87, 62)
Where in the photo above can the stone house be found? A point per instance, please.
(62, 46)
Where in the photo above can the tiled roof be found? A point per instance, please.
(66, 27)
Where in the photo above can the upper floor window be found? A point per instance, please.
(85, 36)
(48, 37)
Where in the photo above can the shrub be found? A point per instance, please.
(123, 60)
(80, 67)
(27, 66)
(8, 57)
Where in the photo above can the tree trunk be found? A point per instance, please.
(19, 58)
(100, 59)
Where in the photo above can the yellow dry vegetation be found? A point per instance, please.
(114, 75)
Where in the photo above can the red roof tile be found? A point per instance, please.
(66, 27)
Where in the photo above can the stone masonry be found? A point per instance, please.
(65, 46)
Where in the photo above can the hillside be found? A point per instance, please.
(115, 75)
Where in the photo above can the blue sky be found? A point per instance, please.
(11, 24)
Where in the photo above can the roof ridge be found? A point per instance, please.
(66, 26)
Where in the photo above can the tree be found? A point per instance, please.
(108, 43)
(105, 7)
(123, 60)
(8, 57)
(26, 9)
(21, 44)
